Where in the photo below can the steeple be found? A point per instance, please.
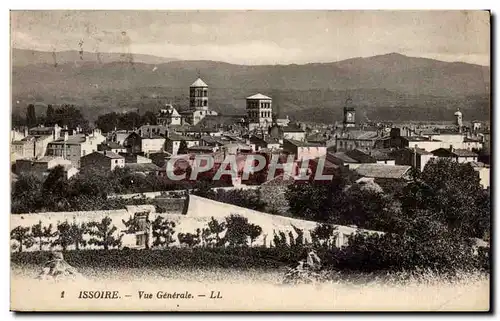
(349, 114)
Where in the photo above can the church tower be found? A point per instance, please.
(458, 119)
(349, 114)
(259, 111)
(198, 95)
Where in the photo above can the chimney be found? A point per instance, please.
(66, 135)
(104, 152)
(451, 148)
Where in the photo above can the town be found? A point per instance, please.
(373, 150)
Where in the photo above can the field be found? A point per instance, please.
(245, 289)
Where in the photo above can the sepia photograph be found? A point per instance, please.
(250, 160)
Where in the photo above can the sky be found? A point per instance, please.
(259, 37)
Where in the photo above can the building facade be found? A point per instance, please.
(259, 112)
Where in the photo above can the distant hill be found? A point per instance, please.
(23, 57)
(311, 90)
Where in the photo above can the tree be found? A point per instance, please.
(22, 236)
(149, 118)
(183, 147)
(254, 232)
(452, 192)
(324, 235)
(31, 120)
(163, 231)
(42, 232)
(102, 233)
(238, 230)
(69, 234)
(108, 122)
(216, 228)
(49, 117)
(70, 116)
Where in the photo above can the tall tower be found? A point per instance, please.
(458, 119)
(198, 95)
(259, 111)
(349, 114)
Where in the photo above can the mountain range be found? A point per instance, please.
(391, 86)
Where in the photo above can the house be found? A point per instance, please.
(104, 160)
(458, 155)
(396, 141)
(196, 149)
(133, 143)
(352, 139)
(112, 147)
(40, 167)
(135, 159)
(303, 150)
(119, 136)
(383, 171)
(173, 142)
(483, 171)
(293, 132)
(259, 143)
(73, 147)
(152, 144)
(169, 116)
(156, 130)
(341, 159)
(415, 157)
(382, 156)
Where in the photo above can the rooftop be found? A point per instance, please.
(259, 96)
(199, 83)
(382, 170)
(444, 152)
(343, 157)
(299, 143)
(174, 136)
(108, 154)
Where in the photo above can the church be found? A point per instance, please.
(198, 107)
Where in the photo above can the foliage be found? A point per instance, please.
(215, 228)
(324, 235)
(102, 233)
(163, 231)
(239, 230)
(183, 148)
(190, 239)
(41, 233)
(22, 236)
(31, 120)
(70, 234)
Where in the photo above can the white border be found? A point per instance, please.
(214, 4)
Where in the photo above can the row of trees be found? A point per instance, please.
(238, 232)
(64, 115)
(128, 121)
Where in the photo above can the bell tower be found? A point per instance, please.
(349, 114)
(198, 95)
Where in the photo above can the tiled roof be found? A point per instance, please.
(174, 136)
(292, 129)
(111, 155)
(199, 83)
(360, 156)
(258, 96)
(382, 170)
(343, 157)
(299, 143)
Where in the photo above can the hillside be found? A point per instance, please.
(386, 81)
(24, 57)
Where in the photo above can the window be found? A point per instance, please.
(205, 102)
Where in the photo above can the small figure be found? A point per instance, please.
(57, 266)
